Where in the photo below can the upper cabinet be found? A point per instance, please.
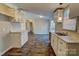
(15, 14)
(4, 9)
(19, 16)
(58, 14)
(58, 18)
(66, 13)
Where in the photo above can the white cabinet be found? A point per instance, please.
(59, 46)
(15, 39)
(4, 9)
(18, 16)
(24, 38)
(52, 40)
(62, 48)
(15, 14)
(55, 44)
(18, 39)
(58, 14)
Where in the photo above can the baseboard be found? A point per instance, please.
(41, 33)
(24, 44)
(5, 51)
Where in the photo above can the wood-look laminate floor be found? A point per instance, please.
(37, 45)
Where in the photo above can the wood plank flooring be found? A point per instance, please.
(37, 45)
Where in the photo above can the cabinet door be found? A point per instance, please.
(11, 12)
(3, 9)
(62, 49)
(52, 39)
(6, 10)
(55, 43)
(16, 39)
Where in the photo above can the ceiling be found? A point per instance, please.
(74, 9)
(45, 9)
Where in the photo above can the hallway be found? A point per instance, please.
(37, 45)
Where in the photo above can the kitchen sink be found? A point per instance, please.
(61, 34)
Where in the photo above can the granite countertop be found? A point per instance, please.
(67, 39)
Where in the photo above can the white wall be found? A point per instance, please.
(40, 25)
(52, 26)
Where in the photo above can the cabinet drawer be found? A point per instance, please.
(62, 51)
(61, 43)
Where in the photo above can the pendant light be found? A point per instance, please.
(59, 11)
(60, 15)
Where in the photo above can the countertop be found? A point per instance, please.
(19, 31)
(67, 39)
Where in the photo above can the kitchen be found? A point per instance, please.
(62, 24)
(65, 39)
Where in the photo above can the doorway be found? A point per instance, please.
(31, 27)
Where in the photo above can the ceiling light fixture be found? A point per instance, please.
(60, 15)
(59, 12)
(41, 16)
(60, 18)
(60, 3)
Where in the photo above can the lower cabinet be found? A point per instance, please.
(15, 39)
(18, 39)
(24, 38)
(62, 48)
(55, 45)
